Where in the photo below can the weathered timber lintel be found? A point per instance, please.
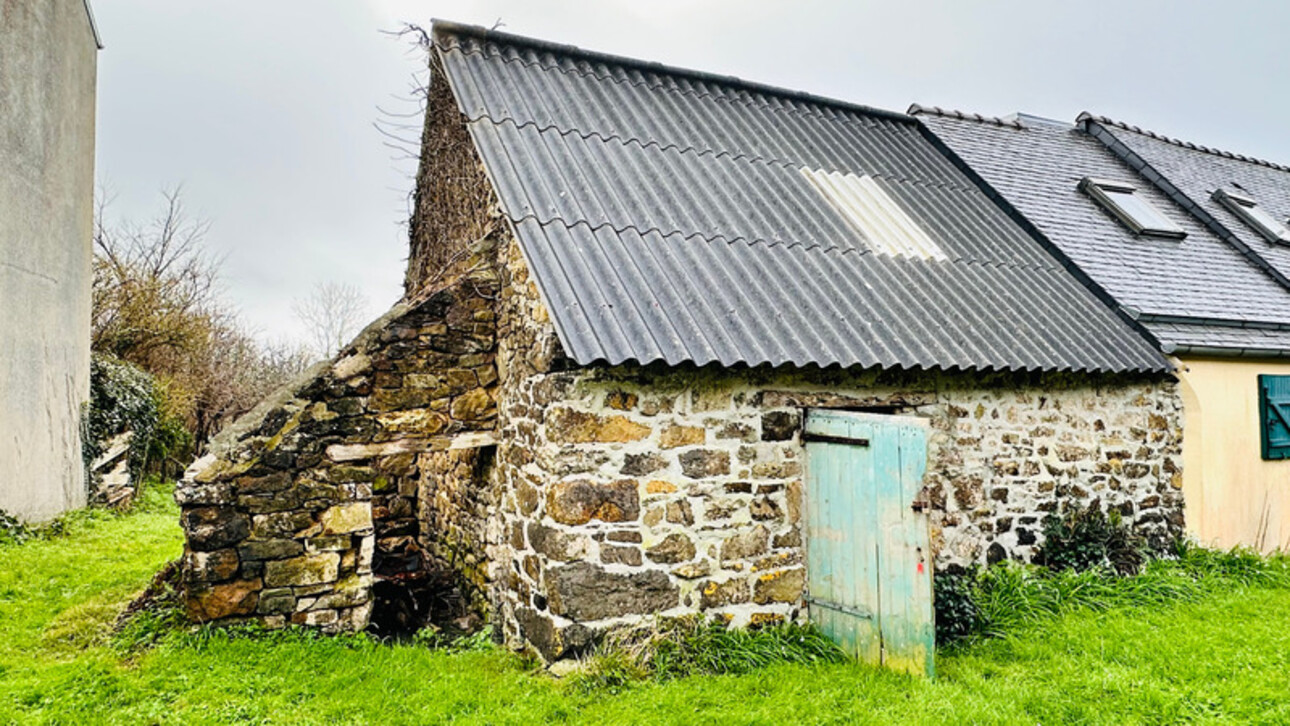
(353, 452)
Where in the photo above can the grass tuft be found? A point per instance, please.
(688, 646)
(154, 497)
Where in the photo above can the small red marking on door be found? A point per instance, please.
(920, 568)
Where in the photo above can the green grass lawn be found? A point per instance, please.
(1223, 659)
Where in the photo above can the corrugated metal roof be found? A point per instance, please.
(1201, 279)
(665, 217)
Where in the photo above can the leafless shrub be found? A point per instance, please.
(157, 304)
(331, 316)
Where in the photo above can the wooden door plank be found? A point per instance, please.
(865, 540)
(864, 544)
(913, 463)
(906, 613)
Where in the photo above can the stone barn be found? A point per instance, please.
(678, 343)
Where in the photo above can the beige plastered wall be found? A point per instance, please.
(48, 57)
(1233, 497)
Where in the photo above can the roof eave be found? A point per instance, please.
(1211, 351)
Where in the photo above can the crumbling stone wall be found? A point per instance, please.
(641, 491)
(453, 201)
(396, 435)
(304, 501)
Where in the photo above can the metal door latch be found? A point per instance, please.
(920, 503)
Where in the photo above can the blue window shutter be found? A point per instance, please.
(1274, 413)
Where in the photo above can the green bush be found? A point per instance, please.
(125, 398)
(688, 646)
(957, 614)
(1087, 538)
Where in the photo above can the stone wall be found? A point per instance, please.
(364, 468)
(453, 203)
(641, 490)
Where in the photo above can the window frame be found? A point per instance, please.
(1098, 190)
(1241, 204)
(1268, 409)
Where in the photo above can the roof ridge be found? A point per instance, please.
(439, 26)
(916, 109)
(751, 102)
(1085, 117)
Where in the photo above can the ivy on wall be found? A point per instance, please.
(125, 398)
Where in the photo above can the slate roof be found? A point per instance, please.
(665, 218)
(1201, 293)
(1196, 171)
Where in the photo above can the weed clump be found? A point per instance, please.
(455, 642)
(1087, 539)
(688, 646)
(12, 529)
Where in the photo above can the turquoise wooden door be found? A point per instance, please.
(868, 556)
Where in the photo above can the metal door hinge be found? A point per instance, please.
(825, 439)
(856, 612)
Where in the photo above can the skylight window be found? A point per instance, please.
(1125, 203)
(1252, 214)
(886, 228)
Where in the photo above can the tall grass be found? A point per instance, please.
(1012, 597)
(689, 646)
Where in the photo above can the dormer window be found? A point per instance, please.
(1252, 214)
(1125, 204)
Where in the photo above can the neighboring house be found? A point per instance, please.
(48, 61)
(1192, 243)
(703, 346)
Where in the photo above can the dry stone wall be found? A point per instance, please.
(643, 491)
(303, 504)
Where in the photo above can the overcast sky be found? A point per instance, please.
(263, 109)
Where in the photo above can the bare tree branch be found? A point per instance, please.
(331, 316)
